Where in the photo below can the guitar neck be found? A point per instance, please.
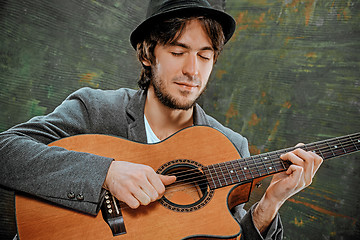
(240, 170)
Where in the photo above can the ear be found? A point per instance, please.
(146, 62)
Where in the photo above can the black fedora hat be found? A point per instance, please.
(165, 9)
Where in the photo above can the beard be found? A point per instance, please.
(167, 99)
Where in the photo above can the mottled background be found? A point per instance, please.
(290, 74)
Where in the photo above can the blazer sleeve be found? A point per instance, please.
(68, 178)
(248, 229)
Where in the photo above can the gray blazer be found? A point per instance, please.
(75, 179)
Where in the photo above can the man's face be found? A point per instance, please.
(182, 68)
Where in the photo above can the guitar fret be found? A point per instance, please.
(237, 176)
(278, 165)
(278, 161)
(311, 147)
(348, 145)
(260, 165)
(319, 152)
(235, 171)
(337, 146)
(342, 147)
(241, 168)
(354, 143)
(315, 149)
(230, 172)
(247, 168)
(308, 148)
(217, 176)
(264, 163)
(336, 149)
(282, 164)
(272, 168)
(212, 182)
(256, 166)
(223, 174)
(351, 145)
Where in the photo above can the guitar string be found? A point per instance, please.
(124, 205)
(227, 174)
(249, 161)
(350, 142)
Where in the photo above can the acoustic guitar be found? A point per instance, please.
(211, 179)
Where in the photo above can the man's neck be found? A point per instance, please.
(163, 120)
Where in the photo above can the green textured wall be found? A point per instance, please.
(290, 74)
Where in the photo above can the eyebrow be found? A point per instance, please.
(179, 44)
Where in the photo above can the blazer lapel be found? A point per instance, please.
(135, 117)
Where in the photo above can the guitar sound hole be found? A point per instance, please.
(190, 191)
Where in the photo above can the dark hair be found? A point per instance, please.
(170, 31)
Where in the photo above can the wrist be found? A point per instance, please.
(105, 183)
(265, 212)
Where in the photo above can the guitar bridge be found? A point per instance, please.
(112, 214)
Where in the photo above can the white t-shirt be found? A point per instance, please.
(151, 137)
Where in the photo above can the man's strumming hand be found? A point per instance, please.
(135, 184)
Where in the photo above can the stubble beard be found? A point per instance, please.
(165, 97)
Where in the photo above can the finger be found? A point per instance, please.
(141, 196)
(129, 199)
(152, 184)
(304, 159)
(308, 159)
(296, 175)
(167, 180)
(150, 190)
(312, 156)
(317, 161)
(157, 184)
(293, 157)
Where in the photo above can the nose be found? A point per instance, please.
(190, 67)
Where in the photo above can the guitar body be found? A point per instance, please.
(184, 214)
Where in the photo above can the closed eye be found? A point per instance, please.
(177, 53)
(205, 58)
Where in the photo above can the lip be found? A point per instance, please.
(187, 84)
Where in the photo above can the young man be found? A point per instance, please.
(177, 46)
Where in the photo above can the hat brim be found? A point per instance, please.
(226, 21)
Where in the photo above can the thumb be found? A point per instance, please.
(167, 180)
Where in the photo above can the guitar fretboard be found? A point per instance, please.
(240, 170)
